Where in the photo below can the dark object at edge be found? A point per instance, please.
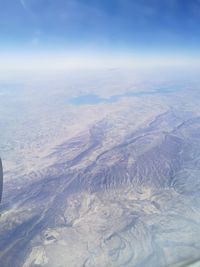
(1, 180)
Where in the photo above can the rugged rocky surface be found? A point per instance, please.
(110, 185)
(135, 204)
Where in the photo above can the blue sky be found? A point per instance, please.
(135, 26)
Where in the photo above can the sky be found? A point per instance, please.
(103, 27)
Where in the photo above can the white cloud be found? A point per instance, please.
(24, 4)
